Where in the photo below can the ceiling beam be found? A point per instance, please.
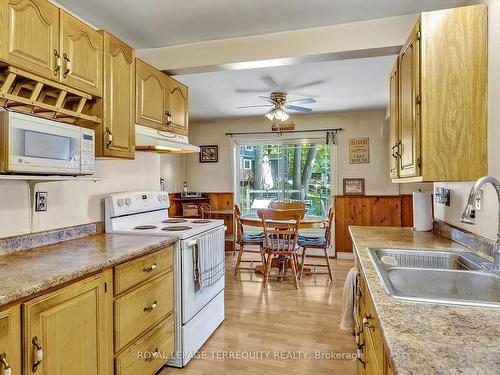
(371, 38)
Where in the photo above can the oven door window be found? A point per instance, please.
(47, 146)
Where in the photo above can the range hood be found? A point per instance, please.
(148, 139)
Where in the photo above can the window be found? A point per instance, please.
(247, 164)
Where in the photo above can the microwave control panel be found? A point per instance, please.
(87, 151)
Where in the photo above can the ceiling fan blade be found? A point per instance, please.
(313, 83)
(251, 91)
(298, 109)
(255, 106)
(303, 101)
(269, 100)
(271, 82)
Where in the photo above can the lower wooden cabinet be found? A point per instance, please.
(372, 354)
(10, 340)
(70, 331)
(65, 331)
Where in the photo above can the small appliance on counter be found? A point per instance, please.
(36, 145)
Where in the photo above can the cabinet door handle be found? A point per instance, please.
(69, 65)
(58, 62)
(156, 354)
(151, 307)
(37, 354)
(5, 364)
(149, 268)
(168, 118)
(110, 137)
(366, 322)
(394, 154)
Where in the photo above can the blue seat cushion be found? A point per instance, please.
(311, 241)
(253, 237)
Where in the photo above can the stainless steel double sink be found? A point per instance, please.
(463, 278)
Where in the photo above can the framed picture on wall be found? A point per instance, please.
(209, 154)
(354, 186)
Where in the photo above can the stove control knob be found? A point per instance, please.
(160, 197)
(120, 202)
(165, 198)
(128, 201)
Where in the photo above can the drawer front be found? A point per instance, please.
(133, 273)
(149, 353)
(140, 309)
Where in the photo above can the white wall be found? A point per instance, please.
(487, 220)
(74, 203)
(213, 177)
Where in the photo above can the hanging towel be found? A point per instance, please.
(350, 304)
(209, 259)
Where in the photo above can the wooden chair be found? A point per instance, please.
(280, 240)
(323, 243)
(246, 239)
(275, 205)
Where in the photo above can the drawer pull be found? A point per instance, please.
(149, 268)
(38, 354)
(151, 308)
(366, 322)
(5, 364)
(156, 354)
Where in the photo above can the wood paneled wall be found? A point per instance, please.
(217, 201)
(380, 210)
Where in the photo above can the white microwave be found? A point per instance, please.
(38, 145)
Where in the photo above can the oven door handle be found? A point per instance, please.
(195, 242)
(196, 262)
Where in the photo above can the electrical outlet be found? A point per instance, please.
(478, 203)
(442, 196)
(41, 201)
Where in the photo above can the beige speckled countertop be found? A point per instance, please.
(428, 338)
(25, 273)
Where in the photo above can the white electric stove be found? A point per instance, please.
(198, 313)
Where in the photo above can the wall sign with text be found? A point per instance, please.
(359, 151)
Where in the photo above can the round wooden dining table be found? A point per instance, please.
(308, 221)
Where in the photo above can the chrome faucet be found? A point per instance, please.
(469, 213)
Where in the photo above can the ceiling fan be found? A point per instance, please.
(278, 104)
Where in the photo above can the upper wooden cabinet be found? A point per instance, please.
(409, 106)
(161, 101)
(441, 98)
(393, 120)
(81, 52)
(10, 340)
(69, 329)
(43, 39)
(151, 94)
(29, 36)
(116, 135)
(177, 106)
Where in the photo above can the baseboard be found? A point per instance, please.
(345, 255)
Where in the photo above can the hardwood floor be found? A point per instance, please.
(293, 325)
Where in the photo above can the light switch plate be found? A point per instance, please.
(41, 201)
(442, 196)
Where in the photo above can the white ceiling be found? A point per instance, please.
(341, 86)
(157, 23)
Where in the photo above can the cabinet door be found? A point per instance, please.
(394, 122)
(118, 116)
(70, 327)
(82, 55)
(409, 105)
(177, 104)
(151, 94)
(10, 340)
(29, 36)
